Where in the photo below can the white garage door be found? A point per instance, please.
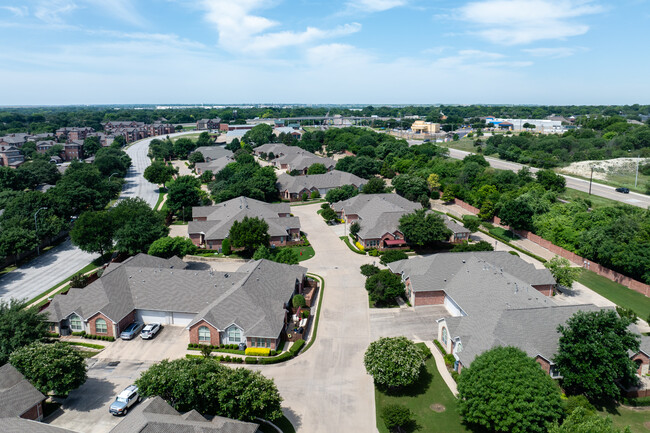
(182, 318)
(149, 316)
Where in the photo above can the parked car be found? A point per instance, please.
(124, 401)
(623, 190)
(150, 331)
(131, 331)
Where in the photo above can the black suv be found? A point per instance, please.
(623, 190)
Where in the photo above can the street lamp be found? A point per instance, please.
(38, 245)
(109, 177)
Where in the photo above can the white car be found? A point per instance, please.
(149, 331)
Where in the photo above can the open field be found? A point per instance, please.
(617, 293)
(615, 172)
(596, 201)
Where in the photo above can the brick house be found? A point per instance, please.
(293, 187)
(208, 124)
(74, 133)
(10, 156)
(18, 397)
(290, 158)
(73, 150)
(210, 225)
(247, 305)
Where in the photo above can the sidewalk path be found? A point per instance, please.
(442, 368)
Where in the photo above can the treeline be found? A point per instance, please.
(598, 139)
(48, 119)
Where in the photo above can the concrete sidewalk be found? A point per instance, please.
(442, 368)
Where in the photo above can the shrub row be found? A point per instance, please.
(295, 347)
(79, 334)
(449, 360)
(52, 335)
(439, 346)
(258, 351)
(213, 346)
(99, 337)
(636, 402)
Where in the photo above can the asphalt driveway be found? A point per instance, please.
(170, 343)
(86, 408)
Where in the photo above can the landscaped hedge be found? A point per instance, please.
(79, 334)
(250, 360)
(281, 358)
(295, 347)
(439, 346)
(258, 351)
(99, 337)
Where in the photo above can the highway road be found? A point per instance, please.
(60, 262)
(598, 189)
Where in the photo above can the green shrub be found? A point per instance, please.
(258, 351)
(439, 346)
(250, 360)
(273, 353)
(636, 402)
(295, 347)
(226, 249)
(576, 401)
(305, 314)
(449, 360)
(79, 333)
(298, 301)
(514, 253)
(396, 416)
(315, 194)
(276, 359)
(52, 335)
(425, 349)
(373, 253)
(454, 375)
(392, 256)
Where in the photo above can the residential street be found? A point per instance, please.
(59, 263)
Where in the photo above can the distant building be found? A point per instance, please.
(292, 158)
(10, 156)
(208, 124)
(422, 127)
(295, 133)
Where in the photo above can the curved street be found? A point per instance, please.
(55, 265)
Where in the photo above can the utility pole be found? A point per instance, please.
(591, 178)
(636, 178)
(38, 245)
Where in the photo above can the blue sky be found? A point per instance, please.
(317, 51)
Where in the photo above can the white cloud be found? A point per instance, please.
(512, 22)
(375, 5)
(19, 11)
(477, 59)
(554, 53)
(328, 54)
(240, 30)
(121, 9)
(51, 11)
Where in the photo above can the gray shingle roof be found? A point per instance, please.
(296, 157)
(221, 217)
(21, 425)
(215, 166)
(17, 395)
(332, 179)
(154, 415)
(253, 297)
(378, 213)
(453, 225)
(213, 152)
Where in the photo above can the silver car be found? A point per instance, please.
(124, 401)
(131, 331)
(150, 331)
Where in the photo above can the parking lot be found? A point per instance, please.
(86, 408)
(170, 343)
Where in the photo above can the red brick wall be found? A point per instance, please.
(34, 413)
(545, 289)
(196, 239)
(546, 366)
(109, 325)
(215, 338)
(128, 319)
(641, 357)
(628, 282)
(434, 297)
(275, 343)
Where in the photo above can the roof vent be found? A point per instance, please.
(463, 260)
(225, 275)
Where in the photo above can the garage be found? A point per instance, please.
(183, 319)
(151, 316)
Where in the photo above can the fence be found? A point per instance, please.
(626, 281)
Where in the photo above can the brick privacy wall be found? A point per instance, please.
(109, 325)
(436, 297)
(34, 413)
(215, 337)
(626, 281)
(128, 319)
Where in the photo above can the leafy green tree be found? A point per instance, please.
(583, 421)
(204, 139)
(93, 232)
(315, 195)
(249, 234)
(195, 157)
(16, 240)
(207, 176)
(225, 247)
(329, 214)
(355, 228)
(259, 135)
(263, 252)
(394, 362)
(396, 417)
(168, 247)
(410, 187)
(384, 287)
(182, 147)
(375, 185)
(91, 146)
(317, 169)
(369, 270)
(342, 193)
(362, 166)
(433, 181)
(503, 390)
(517, 213)
(562, 271)
(212, 389)
(9, 179)
(286, 255)
(470, 223)
(392, 256)
(118, 142)
(137, 226)
(234, 145)
(184, 192)
(159, 173)
(161, 150)
(19, 326)
(56, 368)
(298, 301)
(593, 354)
(34, 173)
(110, 161)
(422, 229)
(550, 180)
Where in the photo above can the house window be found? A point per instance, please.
(204, 333)
(444, 336)
(100, 326)
(234, 335)
(554, 372)
(75, 323)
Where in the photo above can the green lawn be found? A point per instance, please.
(617, 293)
(430, 389)
(304, 253)
(623, 417)
(596, 201)
(504, 234)
(349, 244)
